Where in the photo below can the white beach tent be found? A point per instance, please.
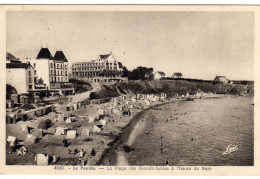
(71, 134)
(68, 120)
(42, 159)
(75, 106)
(91, 119)
(24, 128)
(96, 129)
(101, 111)
(85, 131)
(84, 118)
(30, 138)
(61, 130)
(12, 140)
(103, 122)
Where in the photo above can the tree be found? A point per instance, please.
(141, 73)
(40, 81)
(10, 90)
(125, 72)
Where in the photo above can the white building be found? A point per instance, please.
(105, 69)
(221, 79)
(158, 75)
(177, 75)
(21, 76)
(53, 71)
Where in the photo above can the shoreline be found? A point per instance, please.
(123, 136)
(121, 129)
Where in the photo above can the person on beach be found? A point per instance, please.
(167, 162)
(161, 147)
(146, 132)
(65, 143)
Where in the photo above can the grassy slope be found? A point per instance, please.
(172, 87)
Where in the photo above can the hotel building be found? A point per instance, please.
(106, 69)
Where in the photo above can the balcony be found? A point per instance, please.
(61, 85)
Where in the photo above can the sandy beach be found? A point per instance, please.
(143, 128)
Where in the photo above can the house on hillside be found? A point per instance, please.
(105, 69)
(221, 79)
(177, 75)
(158, 75)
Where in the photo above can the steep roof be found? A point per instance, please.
(59, 56)
(104, 57)
(18, 65)
(10, 57)
(44, 53)
(177, 74)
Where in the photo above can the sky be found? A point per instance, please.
(200, 45)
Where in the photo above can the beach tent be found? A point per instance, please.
(91, 119)
(25, 128)
(85, 131)
(45, 124)
(147, 102)
(101, 111)
(75, 106)
(72, 118)
(83, 118)
(12, 140)
(59, 118)
(96, 129)
(61, 130)
(42, 159)
(68, 120)
(71, 134)
(37, 133)
(103, 122)
(30, 138)
(198, 95)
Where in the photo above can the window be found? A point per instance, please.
(66, 73)
(51, 65)
(61, 79)
(30, 73)
(52, 72)
(34, 65)
(30, 80)
(30, 86)
(34, 72)
(57, 65)
(61, 66)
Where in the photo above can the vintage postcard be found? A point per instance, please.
(133, 89)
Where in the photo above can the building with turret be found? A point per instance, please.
(52, 71)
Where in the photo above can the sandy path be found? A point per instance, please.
(80, 97)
